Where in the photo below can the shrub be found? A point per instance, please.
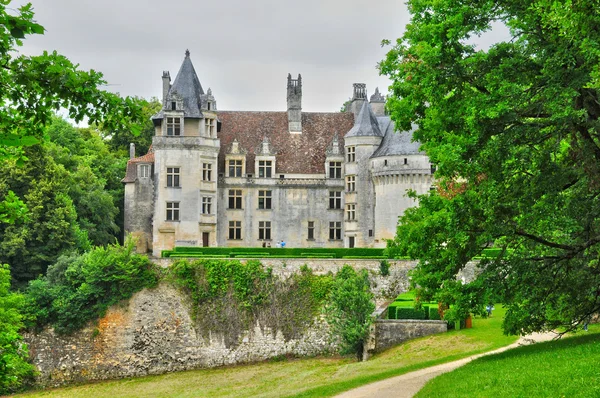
(384, 268)
(410, 313)
(434, 314)
(351, 306)
(79, 288)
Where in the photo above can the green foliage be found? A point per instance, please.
(79, 288)
(384, 268)
(350, 310)
(513, 130)
(14, 368)
(411, 313)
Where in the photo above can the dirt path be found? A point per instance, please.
(407, 385)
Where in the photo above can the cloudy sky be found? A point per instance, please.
(242, 49)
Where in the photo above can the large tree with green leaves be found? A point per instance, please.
(514, 132)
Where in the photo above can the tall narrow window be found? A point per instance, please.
(405, 160)
(351, 183)
(235, 168)
(145, 171)
(172, 211)
(173, 126)
(235, 198)
(264, 230)
(264, 199)
(335, 169)
(206, 204)
(351, 212)
(335, 200)
(351, 154)
(209, 127)
(335, 230)
(264, 168)
(311, 230)
(173, 105)
(206, 172)
(235, 230)
(173, 177)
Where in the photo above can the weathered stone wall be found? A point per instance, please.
(154, 334)
(386, 333)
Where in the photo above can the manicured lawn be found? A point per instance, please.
(315, 377)
(569, 367)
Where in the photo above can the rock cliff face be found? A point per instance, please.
(154, 333)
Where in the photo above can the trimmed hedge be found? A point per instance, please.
(295, 252)
(434, 315)
(411, 313)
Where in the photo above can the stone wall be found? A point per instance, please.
(386, 333)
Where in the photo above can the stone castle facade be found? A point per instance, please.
(238, 178)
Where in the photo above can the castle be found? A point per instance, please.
(238, 178)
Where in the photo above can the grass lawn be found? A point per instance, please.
(569, 367)
(313, 377)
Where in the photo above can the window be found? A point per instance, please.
(264, 199)
(335, 200)
(235, 168)
(206, 204)
(173, 105)
(173, 177)
(385, 162)
(405, 161)
(370, 233)
(335, 230)
(208, 105)
(264, 168)
(335, 169)
(264, 230)
(235, 198)
(173, 126)
(209, 127)
(351, 154)
(351, 183)
(351, 212)
(145, 171)
(235, 230)
(206, 172)
(311, 230)
(172, 211)
(433, 168)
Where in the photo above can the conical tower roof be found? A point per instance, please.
(187, 86)
(365, 124)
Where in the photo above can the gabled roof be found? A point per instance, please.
(131, 173)
(396, 142)
(296, 153)
(366, 124)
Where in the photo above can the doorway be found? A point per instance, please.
(205, 237)
(351, 242)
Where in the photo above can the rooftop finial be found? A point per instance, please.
(187, 53)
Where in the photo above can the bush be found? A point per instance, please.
(434, 314)
(295, 252)
(384, 268)
(411, 313)
(79, 288)
(351, 306)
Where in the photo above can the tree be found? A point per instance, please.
(351, 307)
(515, 135)
(32, 88)
(14, 368)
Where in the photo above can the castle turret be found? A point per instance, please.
(294, 104)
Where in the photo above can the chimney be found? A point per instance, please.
(166, 79)
(294, 104)
(131, 150)
(378, 103)
(358, 97)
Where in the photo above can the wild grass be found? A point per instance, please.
(313, 377)
(564, 368)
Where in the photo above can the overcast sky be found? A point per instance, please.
(242, 49)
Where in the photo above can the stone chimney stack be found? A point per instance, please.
(131, 150)
(166, 79)
(358, 98)
(378, 103)
(294, 104)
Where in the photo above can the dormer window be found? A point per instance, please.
(265, 168)
(210, 127)
(173, 126)
(173, 105)
(144, 171)
(209, 105)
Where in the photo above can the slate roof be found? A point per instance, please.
(366, 123)
(131, 173)
(296, 153)
(396, 143)
(188, 87)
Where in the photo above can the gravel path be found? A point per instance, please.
(408, 384)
